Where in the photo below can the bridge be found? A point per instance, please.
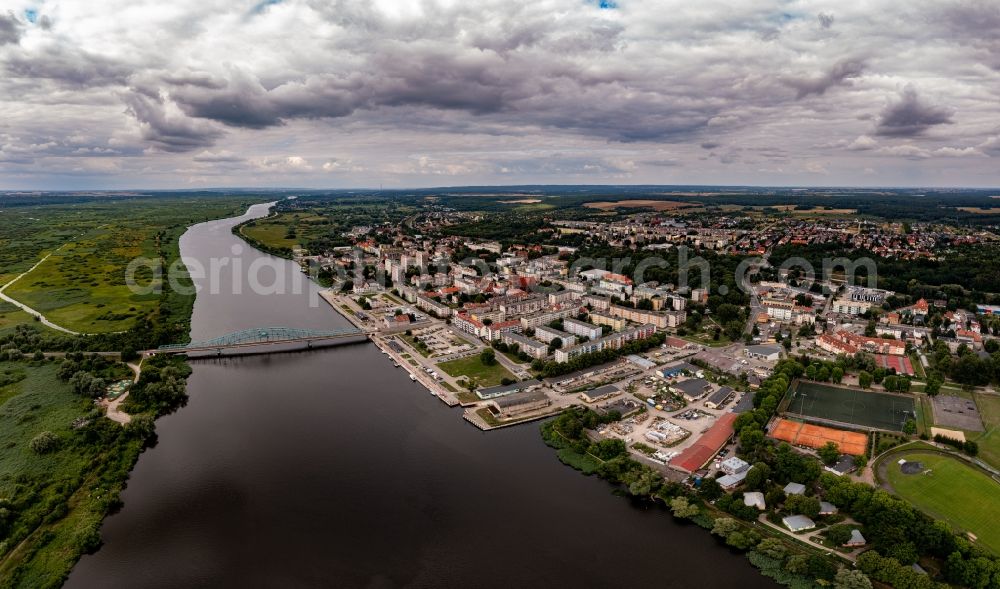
(260, 336)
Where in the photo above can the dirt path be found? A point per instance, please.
(113, 412)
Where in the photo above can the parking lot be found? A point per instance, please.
(666, 427)
(442, 342)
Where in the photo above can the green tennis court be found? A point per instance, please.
(854, 406)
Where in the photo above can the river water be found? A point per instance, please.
(330, 468)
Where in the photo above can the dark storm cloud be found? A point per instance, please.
(10, 29)
(551, 94)
(840, 73)
(67, 66)
(342, 91)
(166, 132)
(910, 116)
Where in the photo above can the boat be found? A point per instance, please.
(396, 364)
(413, 378)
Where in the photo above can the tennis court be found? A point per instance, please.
(854, 406)
(816, 436)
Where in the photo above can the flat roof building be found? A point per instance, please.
(734, 464)
(600, 393)
(519, 403)
(692, 388)
(798, 523)
(764, 352)
(719, 397)
(754, 499)
(507, 389)
(581, 328)
(795, 489)
(730, 481)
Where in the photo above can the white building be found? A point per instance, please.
(581, 328)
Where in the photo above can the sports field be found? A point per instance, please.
(816, 436)
(946, 488)
(854, 406)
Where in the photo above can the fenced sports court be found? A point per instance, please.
(816, 436)
(850, 406)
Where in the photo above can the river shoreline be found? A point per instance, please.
(309, 468)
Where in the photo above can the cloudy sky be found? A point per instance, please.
(200, 93)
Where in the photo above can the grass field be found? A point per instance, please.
(58, 499)
(952, 491)
(82, 286)
(287, 230)
(988, 440)
(11, 317)
(855, 406)
(473, 367)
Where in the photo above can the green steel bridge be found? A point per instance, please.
(260, 336)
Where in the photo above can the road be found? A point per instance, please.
(44, 321)
(756, 308)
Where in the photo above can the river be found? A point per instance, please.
(330, 468)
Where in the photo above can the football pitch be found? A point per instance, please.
(854, 406)
(948, 489)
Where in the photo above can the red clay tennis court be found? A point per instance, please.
(901, 364)
(816, 436)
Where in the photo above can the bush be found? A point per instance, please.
(45, 443)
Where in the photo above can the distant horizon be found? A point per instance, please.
(7, 191)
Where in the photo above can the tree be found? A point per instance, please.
(44, 443)
(837, 374)
(141, 427)
(724, 526)
(865, 379)
(488, 357)
(710, 489)
(829, 453)
(757, 476)
(751, 438)
(682, 508)
(741, 540)
(838, 534)
(807, 506)
(851, 579)
(86, 384)
(608, 449)
(772, 548)
(934, 382)
(797, 564)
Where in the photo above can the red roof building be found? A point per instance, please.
(707, 446)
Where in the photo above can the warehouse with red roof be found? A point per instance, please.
(707, 446)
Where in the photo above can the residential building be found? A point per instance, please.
(612, 342)
(581, 328)
(547, 334)
(533, 348)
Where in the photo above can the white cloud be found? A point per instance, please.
(409, 91)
